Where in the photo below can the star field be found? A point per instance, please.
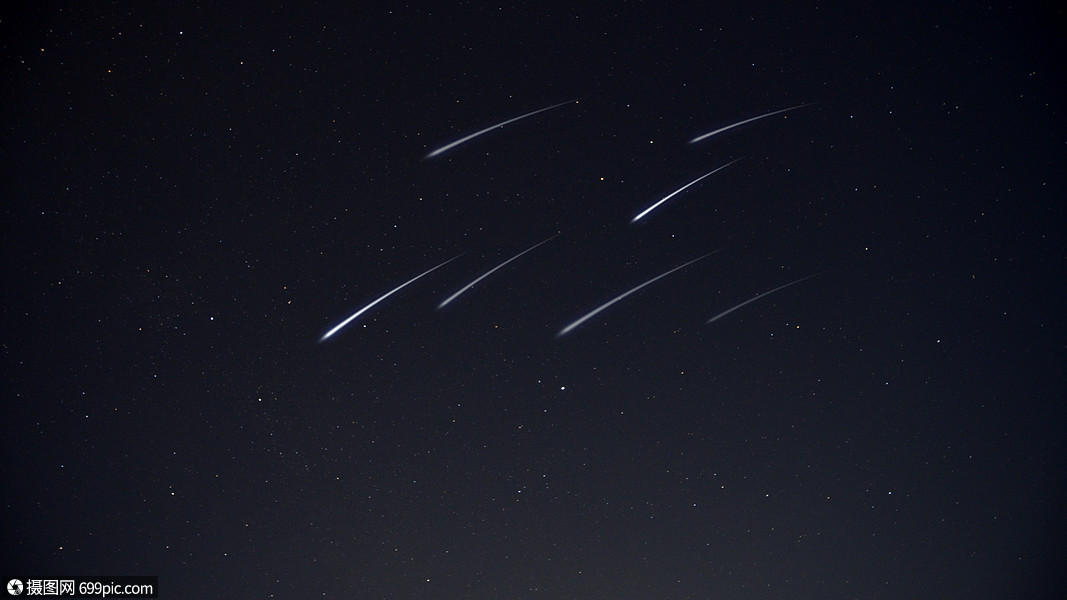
(234, 355)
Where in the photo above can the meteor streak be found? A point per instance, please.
(393, 291)
(680, 190)
(597, 310)
(740, 123)
(491, 271)
(470, 137)
(758, 296)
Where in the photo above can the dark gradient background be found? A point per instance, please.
(194, 194)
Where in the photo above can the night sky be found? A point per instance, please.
(193, 196)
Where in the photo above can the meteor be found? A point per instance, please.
(680, 190)
(470, 137)
(758, 296)
(390, 293)
(491, 271)
(602, 307)
(740, 123)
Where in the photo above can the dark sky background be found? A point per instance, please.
(194, 195)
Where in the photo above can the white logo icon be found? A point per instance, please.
(15, 587)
